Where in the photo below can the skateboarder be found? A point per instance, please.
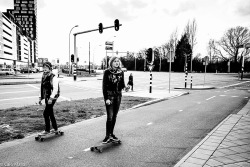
(113, 83)
(50, 91)
(130, 81)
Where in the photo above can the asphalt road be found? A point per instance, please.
(154, 135)
(27, 94)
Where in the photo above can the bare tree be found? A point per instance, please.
(232, 39)
(190, 30)
(214, 49)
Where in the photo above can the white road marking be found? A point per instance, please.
(235, 96)
(19, 98)
(198, 102)
(150, 123)
(211, 98)
(234, 84)
(70, 157)
(33, 86)
(246, 97)
(87, 149)
(18, 92)
(222, 95)
(180, 110)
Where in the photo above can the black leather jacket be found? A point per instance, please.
(113, 83)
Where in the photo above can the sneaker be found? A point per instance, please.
(106, 140)
(44, 133)
(54, 131)
(114, 138)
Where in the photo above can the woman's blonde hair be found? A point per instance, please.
(112, 59)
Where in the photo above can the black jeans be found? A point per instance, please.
(112, 111)
(48, 114)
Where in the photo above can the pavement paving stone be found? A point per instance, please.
(236, 158)
(188, 164)
(224, 160)
(212, 162)
(212, 148)
(229, 144)
(245, 155)
(227, 151)
(207, 143)
(202, 151)
(246, 147)
(231, 165)
(196, 161)
(217, 154)
(238, 150)
(200, 155)
(243, 164)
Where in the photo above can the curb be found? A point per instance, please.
(20, 83)
(205, 88)
(157, 100)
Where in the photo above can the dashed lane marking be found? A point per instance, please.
(33, 86)
(211, 98)
(87, 149)
(222, 95)
(150, 123)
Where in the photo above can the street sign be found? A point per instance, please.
(205, 60)
(172, 57)
(109, 48)
(109, 43)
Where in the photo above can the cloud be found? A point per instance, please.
(122, 9)
(6, 4)
(183, 7)
(243, 9)
(41, 4)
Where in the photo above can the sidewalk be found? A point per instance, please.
(227, 145)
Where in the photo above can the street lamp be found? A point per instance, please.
(69, 46)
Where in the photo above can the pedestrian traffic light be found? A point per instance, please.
(100, 28)
(77, 59)
(72, 58)
(117, 24)
(58, 61)
(150, 57)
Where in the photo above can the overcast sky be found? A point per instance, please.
(145, 23)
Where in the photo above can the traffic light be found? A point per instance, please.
(72, 58)
(100, 28)
(77, 59)
(117, 24)
(57, 61)
(150, 57)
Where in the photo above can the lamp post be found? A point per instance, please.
(69, 46)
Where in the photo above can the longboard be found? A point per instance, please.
(102, 146)
(43, 137)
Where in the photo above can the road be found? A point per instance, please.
(27, 94)
(156, 135)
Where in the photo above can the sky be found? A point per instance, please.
(145, 23)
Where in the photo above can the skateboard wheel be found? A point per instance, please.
(100, 150)
(42, 139)
(92, 149)
(61, 133)
(36, 138)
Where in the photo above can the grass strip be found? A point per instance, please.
(16, 123)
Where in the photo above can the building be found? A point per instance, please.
(15, 47)
(18, 35)
(25, 13)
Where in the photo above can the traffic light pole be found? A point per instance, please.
(84, 32)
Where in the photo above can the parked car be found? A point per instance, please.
(31, 70)
(7, 71)
(124, 69)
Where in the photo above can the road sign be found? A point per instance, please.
(109, 48)
(172, 57)
(109, 43)
(205, 60)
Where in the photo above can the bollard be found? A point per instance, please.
(74, 73)
(186, 76)
(150, 84)
(191, 84)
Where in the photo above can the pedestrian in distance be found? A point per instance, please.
(130, 82)
(113, 83)
(49, 92)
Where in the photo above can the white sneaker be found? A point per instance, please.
(43, 133)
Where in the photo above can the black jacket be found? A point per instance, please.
(113, 83)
